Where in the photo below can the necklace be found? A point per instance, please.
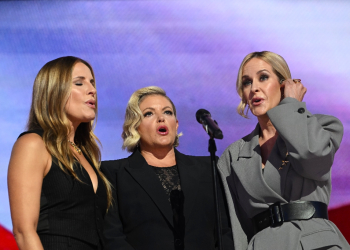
(285, 161)
(75, 147)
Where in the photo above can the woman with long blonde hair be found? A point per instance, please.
(58, 195)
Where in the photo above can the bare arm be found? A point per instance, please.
(28, 165)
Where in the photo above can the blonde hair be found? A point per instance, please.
(133, 117)
(279, 67)
(51, 90)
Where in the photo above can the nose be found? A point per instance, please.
(161, 118)
(254, 86)
(92, 90)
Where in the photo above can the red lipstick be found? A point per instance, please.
(162, 130)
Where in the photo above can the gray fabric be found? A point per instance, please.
(311, 141)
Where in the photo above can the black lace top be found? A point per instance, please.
(169, 178)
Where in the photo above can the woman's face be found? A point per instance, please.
(158, 127)
(80, 106)
(261, 87)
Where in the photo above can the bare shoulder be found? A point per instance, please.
(30, 141)
(30, 150)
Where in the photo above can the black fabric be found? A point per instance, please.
(177, 205)
(69, 207)
(142, 218)
(169, 178)
(55, 242)
(298, 210)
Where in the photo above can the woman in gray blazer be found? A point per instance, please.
(277, 179)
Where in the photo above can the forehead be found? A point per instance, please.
(80, 69)
(153, 101)
(255, 65)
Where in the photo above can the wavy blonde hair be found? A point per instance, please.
(279, 67)
(133, 117)
(51, 90)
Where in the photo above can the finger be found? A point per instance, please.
(289, 82)
(301, 93)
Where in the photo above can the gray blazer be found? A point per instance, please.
(305, 174)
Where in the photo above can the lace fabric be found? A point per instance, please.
(169, 178)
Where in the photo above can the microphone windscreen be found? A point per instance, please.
(200, 113)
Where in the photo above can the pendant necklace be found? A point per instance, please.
(75, 147)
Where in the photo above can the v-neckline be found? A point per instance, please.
(93, 167)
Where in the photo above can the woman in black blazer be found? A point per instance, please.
(162, 199)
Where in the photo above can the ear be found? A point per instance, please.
(177, 124)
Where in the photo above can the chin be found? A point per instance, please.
(88, 119)
(259, 111)
(165, 144)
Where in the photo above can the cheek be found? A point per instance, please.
(274, 91)
(74, 96)
(245, 95)
(173, 123)
(143, 128)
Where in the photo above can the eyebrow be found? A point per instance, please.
(245, 76)
(83, 78)
(166, 107)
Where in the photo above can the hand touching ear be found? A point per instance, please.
(293, 88)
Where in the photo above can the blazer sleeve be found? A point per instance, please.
(226, 229)
(113, 227)
(311, 140)
(240, 237)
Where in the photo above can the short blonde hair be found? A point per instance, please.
(133, 117)
(279, 67)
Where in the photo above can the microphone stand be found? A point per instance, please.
(212, 150)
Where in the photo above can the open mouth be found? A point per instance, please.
(163, 130)
(257, 101)
(91, 104)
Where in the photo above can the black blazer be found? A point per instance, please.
(141, 217)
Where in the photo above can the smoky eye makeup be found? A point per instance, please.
(246, 82)
(148, 113)
(263, 77)
(168, 112)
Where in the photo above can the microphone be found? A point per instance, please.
(210, 126)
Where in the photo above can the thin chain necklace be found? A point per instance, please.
(75, 147)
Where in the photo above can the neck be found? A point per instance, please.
(267, 130)
(73, 128)
(161, 157)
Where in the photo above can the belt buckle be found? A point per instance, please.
(276, 214)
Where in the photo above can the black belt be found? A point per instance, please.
(298, 210)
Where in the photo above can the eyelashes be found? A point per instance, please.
(264, 77)
(247, 82)
(149, 113)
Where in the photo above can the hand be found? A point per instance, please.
(293, 88)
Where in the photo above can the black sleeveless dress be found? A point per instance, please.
(71, 214)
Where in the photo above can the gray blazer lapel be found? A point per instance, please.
(148, 180)
(189, 176)
(275, 170)
(249, 172)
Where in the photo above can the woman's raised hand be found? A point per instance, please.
(293, 88)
